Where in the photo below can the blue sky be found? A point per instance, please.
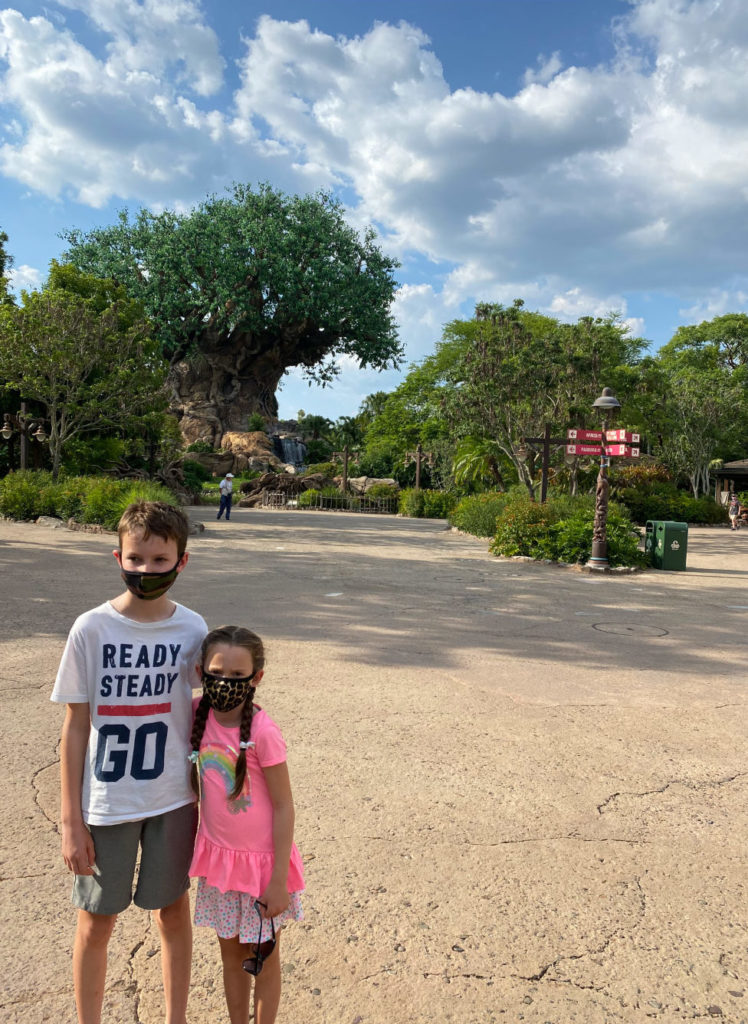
(585, 155)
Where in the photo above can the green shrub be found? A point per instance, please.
(665, 501)
(438, 504)
(68, 496)
(195, 475)
(561, 530)
(477, 513)
(201, 447)
(570, 539)
(325, 468)
(410, 503)
(309, 498)
(25, 494)
(100, 500)
(382, 490)
(424, 503)
(256, 421)
(522, 527)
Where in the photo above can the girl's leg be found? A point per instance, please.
(92, 936)
(268, 987)
(176, 956)
(237, 984)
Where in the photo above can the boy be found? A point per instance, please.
(126, 676)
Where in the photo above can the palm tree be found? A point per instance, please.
(477, 460)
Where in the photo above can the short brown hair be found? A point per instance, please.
(157, 517)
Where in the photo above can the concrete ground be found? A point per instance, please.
(521, 791)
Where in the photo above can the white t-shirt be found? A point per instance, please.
(226, 486)
(137, 678)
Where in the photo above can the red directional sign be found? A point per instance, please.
(622, 435)
(583, 449)
(622, 449)
(585, 435)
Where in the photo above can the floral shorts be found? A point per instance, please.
(234, 913)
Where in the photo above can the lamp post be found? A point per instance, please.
(27, 426)
(344, 455)
(420, 457)
(606, 404)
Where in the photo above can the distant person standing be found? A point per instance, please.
(733, 511)
(226, 488)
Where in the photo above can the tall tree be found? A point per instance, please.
(84, 351)
(6, 262)
(519, 370)
(703, 406)
(245, 287)
(722, 341)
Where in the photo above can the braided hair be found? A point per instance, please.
(234, 636)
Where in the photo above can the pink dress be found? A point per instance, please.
(233, 857)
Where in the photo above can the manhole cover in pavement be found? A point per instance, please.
(627, 629)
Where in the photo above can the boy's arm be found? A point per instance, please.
(77, 844)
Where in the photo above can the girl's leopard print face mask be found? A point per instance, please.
(224, 693)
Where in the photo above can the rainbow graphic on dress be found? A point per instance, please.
(222, 759)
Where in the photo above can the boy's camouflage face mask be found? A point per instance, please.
(150, 585)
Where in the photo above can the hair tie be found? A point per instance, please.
(246, 744)
(194, 756)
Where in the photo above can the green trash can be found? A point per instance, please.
(666, 544)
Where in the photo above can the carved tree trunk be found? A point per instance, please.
(218, 389)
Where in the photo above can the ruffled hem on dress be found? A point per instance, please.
(234, 914)
(241, 870)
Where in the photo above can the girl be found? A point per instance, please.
(249, 870)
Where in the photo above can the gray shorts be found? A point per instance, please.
(165, 843)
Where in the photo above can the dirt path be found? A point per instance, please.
(521, 792)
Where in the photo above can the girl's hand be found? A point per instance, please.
(275, 898)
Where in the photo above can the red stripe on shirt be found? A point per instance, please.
(129, 710)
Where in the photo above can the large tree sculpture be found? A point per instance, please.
(245, 287)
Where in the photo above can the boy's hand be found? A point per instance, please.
(275, 899)
(78, 849)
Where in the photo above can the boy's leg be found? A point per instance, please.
(166, 851)
(237, 984)
(176, 956)
(92, 936)
(268, 987)
(100, 897)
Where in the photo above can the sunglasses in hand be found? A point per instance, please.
(253, 964)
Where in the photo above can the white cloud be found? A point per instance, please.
(586, 185)
(716, 303)
(547, 68)
(24, 278)
(151, 35)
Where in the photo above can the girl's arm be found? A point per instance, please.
(279, 787)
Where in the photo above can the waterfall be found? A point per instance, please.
(289, 450)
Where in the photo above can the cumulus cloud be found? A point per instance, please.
(586, 184)
(24, 278)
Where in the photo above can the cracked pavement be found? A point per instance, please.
(506, 812)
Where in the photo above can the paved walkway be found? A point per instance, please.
(521, 791)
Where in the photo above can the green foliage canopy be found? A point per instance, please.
(245, 286)
(83, 350)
